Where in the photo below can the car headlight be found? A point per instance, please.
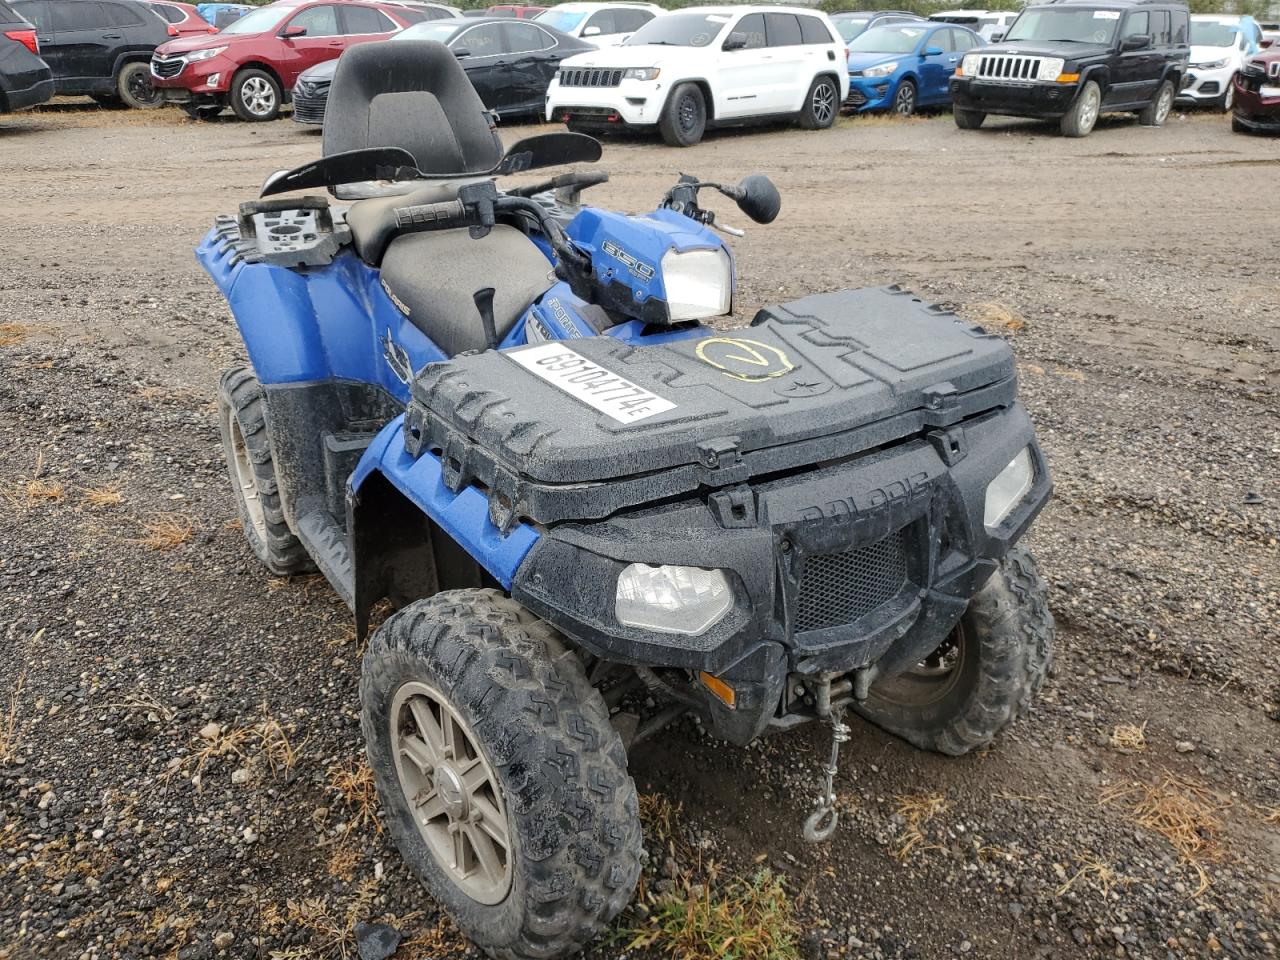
(1050, 69)
(970, 65)
(1214, 65)
(641, 73)
(883, 70)
(670, 599)
(1008, 488)
(699, 283)
(205, 54)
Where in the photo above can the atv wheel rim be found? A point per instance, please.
(688, 114)
(140, 88)
(904, 103)
(1089, 109)
(246, 481)
(824, 102)
(257, 96)
(452, 792)
(1164, 105)
(931, 679)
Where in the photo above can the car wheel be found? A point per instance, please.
(206, 112)
(821, 105)
(1156, 112)
(904, 99)
(1237, 126)
(1080, 119)
(1228, 98)
(968, 119)
(255, 96)
(684, 118)
(133, 83)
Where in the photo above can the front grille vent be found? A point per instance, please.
(997, 67)
(841, 588)
(167, 68)
(589, 77)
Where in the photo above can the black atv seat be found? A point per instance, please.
(411, 94)
(433, 277)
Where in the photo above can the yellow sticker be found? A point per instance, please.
(747, 360)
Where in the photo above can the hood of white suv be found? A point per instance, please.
(638, 55)
(1214, 54)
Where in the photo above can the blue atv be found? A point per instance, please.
(496, 415)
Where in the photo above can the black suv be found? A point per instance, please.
(99, 48)
(25, 79)
(1071, 60)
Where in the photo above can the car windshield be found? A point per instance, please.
(440, 32)
(850, 27)
(1209, 34)
(257, 21)
(895, 39)
(1065, 25)
(679, 30)
(563, 20)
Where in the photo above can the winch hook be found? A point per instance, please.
(822, 823)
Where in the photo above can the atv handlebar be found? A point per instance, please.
(434, 216)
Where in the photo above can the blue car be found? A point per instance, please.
(905, 66)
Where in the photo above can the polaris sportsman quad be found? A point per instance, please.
(498, 412)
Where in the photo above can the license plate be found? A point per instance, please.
(596, 386)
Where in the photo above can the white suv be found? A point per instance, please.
(707, 67)
(600, 24)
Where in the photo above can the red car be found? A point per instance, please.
(183, 19)
(514, 10)
(1256, 107)
(252, 64)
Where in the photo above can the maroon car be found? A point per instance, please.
(252, 64)
(1257, 94)
(183, 18)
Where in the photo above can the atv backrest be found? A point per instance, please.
(411, 94)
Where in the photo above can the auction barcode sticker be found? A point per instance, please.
(590, 383)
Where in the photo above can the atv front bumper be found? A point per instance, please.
(869, 561)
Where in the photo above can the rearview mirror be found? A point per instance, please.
(462, 53)
(735, 42)
(591, 31)
(932, 52)
(1135, 41)
(996, 38)
(760, 200)
(293, 31)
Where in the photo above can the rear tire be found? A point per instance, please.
(255, 96)
(821, 104)
(684, 117)
(246, 443)
(1079, 121)
(1228, 98)
(1156, 112)
(482, 728)
(999, 656)
(133, 84)
(968, 119)
(904, 99)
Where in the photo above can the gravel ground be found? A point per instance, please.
(179, 747)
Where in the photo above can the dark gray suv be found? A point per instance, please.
(25, 79)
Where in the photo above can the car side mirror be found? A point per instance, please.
(1264, 43)
(1135, 41)
(932, 52)
(292, 32)
(735, 42)
(995, 38)
(462, 53)
(591, 31)
(759, 198)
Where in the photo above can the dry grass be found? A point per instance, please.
(917, 810)
(99, 497)
(11, 333)
(10, 728)
(1129, 738)
(1099, 872)
(167, 532)
(997, 316)
(331, 931)
(342, 862)
(353, 783)
(437, 941)
(144, 701)
(746, 920)
(1272, 816)
(263, 743)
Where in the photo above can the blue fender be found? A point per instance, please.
(464, 515)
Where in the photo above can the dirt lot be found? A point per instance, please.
(180, 748)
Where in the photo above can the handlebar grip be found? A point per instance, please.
(432, 216)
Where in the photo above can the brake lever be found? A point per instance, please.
(725, 228)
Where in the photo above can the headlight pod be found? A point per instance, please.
(882, 70)
(1050, 69)
(671, 599)
(641, 73)
(971, 64)
(206, 54)
(1008, 488)
(699, 283)
(1212, 65)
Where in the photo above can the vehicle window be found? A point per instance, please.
(679, 30)
(319, 21)
(1208, 34)
(782, 29)
(1160, 27)
(1065, 25)
(168, 13)
(362, 20)
(563, 20)
(604, 21)
(121, 16)
(1180, 26)
(813, 30)
(525, 37)
(256, 21)
(848, 28)
(943, 40)
(899, 38)
(36, 13)
(628, 21)
(750, 31)
(439, 32)
(483, 41)
(1137, 24)
(79, 16)
(964, 41)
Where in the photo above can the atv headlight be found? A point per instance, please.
(205, 54)
(883, 70)
(641, 73)
(970, 65)
(1008, 488)
(699, 283)
(1050, 69)
(670, 599)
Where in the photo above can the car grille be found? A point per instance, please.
(309, 109)
(167, 67)
(856, 97)
(999, 67)
(841, 588)
(589, 77)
